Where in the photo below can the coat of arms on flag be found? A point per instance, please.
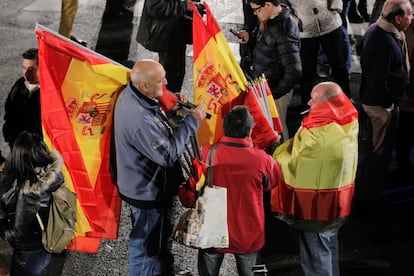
(219, 84)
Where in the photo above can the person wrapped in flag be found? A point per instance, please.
(318, 166)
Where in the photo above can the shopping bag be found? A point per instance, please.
(205, 225)
(214, 231)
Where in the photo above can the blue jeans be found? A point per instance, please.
(209, 263)
(319, 253)
(30, 263)
(149, 242)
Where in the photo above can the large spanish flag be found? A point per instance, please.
(319, 164)
(219, 84)
(79, 89)
(218, 77)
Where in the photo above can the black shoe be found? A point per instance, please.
(81, 42)
(355, 18)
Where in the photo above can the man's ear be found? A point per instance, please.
(397, 19)
(142, 86)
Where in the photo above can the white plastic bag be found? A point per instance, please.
(205, 225)
(214, 231)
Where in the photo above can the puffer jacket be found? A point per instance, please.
(316, 17)
(277, 54)
(24, 232)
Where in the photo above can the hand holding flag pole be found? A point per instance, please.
(169, 100)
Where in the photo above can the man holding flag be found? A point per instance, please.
(145, 147)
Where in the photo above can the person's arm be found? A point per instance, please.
(162, 148)
(273, 175)
(288, 44)
(12, 111)
(26, 209)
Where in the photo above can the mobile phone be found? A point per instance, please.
(235, 33)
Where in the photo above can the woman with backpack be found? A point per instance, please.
(30, 176)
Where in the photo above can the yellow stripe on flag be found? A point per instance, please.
(309, 168)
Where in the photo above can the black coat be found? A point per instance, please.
(24, 232)
(277, 54)
(163, 21)
(384, 74)
(22, 112)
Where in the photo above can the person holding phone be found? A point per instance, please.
(22, 108)
(276, 53)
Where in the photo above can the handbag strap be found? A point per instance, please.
(210, 161)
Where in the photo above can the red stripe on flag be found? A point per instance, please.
(312, 204)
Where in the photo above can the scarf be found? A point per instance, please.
(31, 87)
(399, 35)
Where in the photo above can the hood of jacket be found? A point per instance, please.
(49, 178)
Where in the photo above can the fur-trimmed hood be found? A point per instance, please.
(49, 178)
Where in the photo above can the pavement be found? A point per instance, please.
(377, 243)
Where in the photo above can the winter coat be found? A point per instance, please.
(384, 76)
(161, 21)
(246, 172)
(24, 233)
(316, 17)
(145, 147)
(22, 112)
(276, 54)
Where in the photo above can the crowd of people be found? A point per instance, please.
(311, 174)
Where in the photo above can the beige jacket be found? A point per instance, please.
(316, 17)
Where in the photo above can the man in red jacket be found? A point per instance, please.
(246, 172)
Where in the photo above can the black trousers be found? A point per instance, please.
(334, 47)
(174, 62)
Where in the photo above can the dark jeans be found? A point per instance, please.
(29, 263)
(149, 244)
(209, 263)
(334, 47)
(319, 253)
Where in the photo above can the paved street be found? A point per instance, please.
(380, 243)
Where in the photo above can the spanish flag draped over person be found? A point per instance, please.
(219, 83)
(319, 164)
(79, 89)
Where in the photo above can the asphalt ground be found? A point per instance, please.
(376, 243)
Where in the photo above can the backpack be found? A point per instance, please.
(61, 225)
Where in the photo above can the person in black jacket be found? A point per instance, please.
(166, 27)
(29, 178)
(22, 108)
(276, 53)
(384, 64)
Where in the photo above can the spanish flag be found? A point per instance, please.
(79, 89)
(218, 77)
(220, 84)
(319, 164)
